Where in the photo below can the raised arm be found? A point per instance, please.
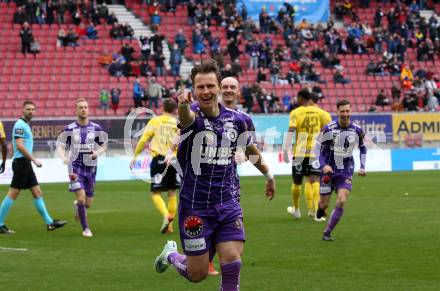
(185, 115)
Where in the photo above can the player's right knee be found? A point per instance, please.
(81, 201)
(197, 276)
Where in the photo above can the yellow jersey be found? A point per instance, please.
(308, 122)
(2, 131)
(160, 131)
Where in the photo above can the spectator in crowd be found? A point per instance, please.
(155, 18)
(111, 19)
(127, 51)
(104, 98)
(20, 16)
(175, 60)
(144, 43)
(409, 102)
(115, 94)
(433, 104)
(127, 31)
(159, 61)
(91, 31)
(145, 69)
(26, 38)
(138, 93)
(72, 38)
(382, 99)
(35, 47)
(180, 40)
(154, 93)
(105, 59)
(338, 77)
(395, 91)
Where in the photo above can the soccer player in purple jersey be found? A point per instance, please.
(210, 216)
(336, 143)
(86, 141)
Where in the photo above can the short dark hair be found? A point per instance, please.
(206, 67)
(28, 102)
(304, 93)
(342, 102)
(169, 105)
(315, 97)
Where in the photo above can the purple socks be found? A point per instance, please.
(334, 219)
(230, 276)
(179, 262)
(82, 215)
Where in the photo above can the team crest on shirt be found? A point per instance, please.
(348, 181)
(230, 132)
(193, 226)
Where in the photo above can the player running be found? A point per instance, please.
(85, 141)
(335, 147)
(159, 136)
(306, 122)
(209, 214)
(23, 173)
(4, 148)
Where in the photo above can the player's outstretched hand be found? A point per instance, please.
(270, 189)
(2, 167)
(37, 163)
(327, 169)
(73, 177)
(185, 97)
(94, 155)
(362, 173)
(286, 157)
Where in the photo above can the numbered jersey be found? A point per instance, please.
(308, 122)
(161, 130)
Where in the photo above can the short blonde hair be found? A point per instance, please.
(81, 100)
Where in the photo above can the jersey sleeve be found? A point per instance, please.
(146, 135)
(323, 147)
(362, 147)
(101, 137)
(19, 130)
(292, 119)
(65, 138)
(251, 128)
(2, 130)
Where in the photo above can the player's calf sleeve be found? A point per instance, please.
(334, 219)
(172, 205)
(230, 276)
(316, 196)
(160, 204)
(4, 209)
(309, 195)
(179, 263)
(82, 213)
(295, 195)
(41, 208)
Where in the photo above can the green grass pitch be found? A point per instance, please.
(386, 240)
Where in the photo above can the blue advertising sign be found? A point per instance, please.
(312, 10)
(277, 125)
(415, 159)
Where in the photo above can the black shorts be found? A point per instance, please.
(24, 176)
(305, 168)
(160, 181)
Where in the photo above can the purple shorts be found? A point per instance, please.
(203, 229)
(83, 182)
(337, 181)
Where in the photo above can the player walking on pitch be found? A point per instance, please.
(4, 148)
(209, 214)
(159, 135)
(23, 173)
(306, 123)
(85, 141)
(335, 147)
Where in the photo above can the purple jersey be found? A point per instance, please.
(337, 144)
(207, 157)
(81, 141)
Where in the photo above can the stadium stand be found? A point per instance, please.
(59, 74)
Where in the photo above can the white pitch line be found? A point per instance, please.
(13, 249)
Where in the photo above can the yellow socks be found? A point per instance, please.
(160, 204)
(172, 205)
(309, 195)
(316, 196)
(295, 195)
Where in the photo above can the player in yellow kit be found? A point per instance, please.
(306, 123)
(160, 134)
(4, 148)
